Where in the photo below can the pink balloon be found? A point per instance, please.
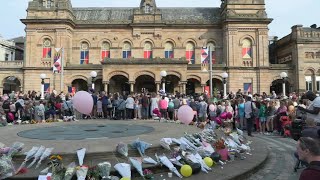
(218, 120)
(229, 115)
(185, 114)
(223, 115)
(212, 107)
(83, 102)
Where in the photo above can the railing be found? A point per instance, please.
(11, 64)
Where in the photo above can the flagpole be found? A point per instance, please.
(210, 72)
(61, 73)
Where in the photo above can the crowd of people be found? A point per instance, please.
(265, 114)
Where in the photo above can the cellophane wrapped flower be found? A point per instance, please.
(148, 174)
(82, 172)
(6, 167)
(15, 148)
(30, 154)
(70, 171)
(104, 169)
(93, 173)
(37, 155)
(45, 154)
(58, 169)
(122, 149)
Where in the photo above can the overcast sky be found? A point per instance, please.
(285, 13)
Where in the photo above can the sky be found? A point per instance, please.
(285, 13)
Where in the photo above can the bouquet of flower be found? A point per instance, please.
(124, 169)
(58, 170)
(37, 155)
(45, 154)
(4, 150)
(29, 155)
(104, 169)
(6, 167)
(141, 146)
(122, 149)
(165, 161)
(149, 160)
(93, 173)
(15, 148)
(165, 143)
(70, 171)
(137, 163)
(82, 172)
(148, 174)
(81, 153)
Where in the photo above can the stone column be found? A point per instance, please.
(158, 85)
(183, 84)
(131, 86)
(106, 86)
(203, 87)
(314, 82)
(1, 90)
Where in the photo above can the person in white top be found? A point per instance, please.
(129, 107)
(313, 110)
(249, 108)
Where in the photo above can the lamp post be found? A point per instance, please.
(163, 74)
(284, 76)
(224, 76)
(42, 76)
(93, 75)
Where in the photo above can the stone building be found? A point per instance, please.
(299, 53)
(129, 47)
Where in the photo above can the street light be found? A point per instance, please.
(163, 74)
(42, 76)
(93, 75)
(284, 76)
(224, 76)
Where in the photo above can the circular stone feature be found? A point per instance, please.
(87, 131)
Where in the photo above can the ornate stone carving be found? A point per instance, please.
(309, 55)
(286, 58)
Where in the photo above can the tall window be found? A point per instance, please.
(308, 83)
(105, 50)
(213, 52)
(46, 49)
(168, 50)
(246, 49)
(190, 55)
(126, 51)
(48, 3)
(84, 53)
(147, 52)
(318, 83)
(147, 8)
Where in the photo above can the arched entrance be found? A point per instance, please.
(217, 84)
(80, 85)
(98, 85)
(193, 86)
(10, 84)
(145, 83)
(276, 86)
(172, 84)
(119, 84)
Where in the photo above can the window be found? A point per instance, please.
(147, 8)
(308, 83)
(48, 3)
(126, 51)
(212, 47)
(105, 50)
(168, 50)
(246, 49)
(46, 49)
(6, 58)
(318, 83)
(84, 53)
(147, 52)
(190, 56)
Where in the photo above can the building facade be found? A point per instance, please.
(129, 47)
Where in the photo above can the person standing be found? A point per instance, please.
(313, 110)
(145, 106)
(163, 105)
(129, 107)
(203, 106)
(249, 108)
(241, 114)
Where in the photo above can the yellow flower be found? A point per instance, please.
(59, 157)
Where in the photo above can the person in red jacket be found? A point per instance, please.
(308, 150)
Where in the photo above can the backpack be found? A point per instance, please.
(10, 117)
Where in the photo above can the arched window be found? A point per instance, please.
(147, 50)
(211, 46)
(168, 50)
(46, 49)
(105, 50)
(147, 8)
(126, 51)
(246, 49)
(190, 55)
(84, 53)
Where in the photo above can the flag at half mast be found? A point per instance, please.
(57, 60)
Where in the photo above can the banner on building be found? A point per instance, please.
(247, 87)
(47, 87)
(207, 91)
(57, 60)
(204, 55)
